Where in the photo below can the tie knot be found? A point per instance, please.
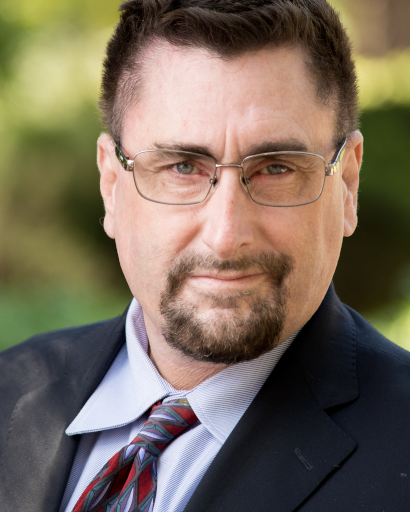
(129, 479)
(164, 424)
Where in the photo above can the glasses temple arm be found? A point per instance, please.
(333, 166)
(124, 161)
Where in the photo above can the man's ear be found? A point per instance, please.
(108, 170)
(350, 177)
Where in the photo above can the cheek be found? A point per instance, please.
(330, 225)
(312, 235)
(132, 235)
(140, 252)
(148, 237)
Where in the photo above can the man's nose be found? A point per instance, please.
(229, 212)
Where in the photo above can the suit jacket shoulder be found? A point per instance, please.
(42, 357)
(328, 431)
(44, 382)
(376, 476)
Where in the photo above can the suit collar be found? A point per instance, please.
(36, 462)
(286, 445)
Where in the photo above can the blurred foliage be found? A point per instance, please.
(394, 322)
(57, 266)
(26, 311)
(384, 80)
(374, 267)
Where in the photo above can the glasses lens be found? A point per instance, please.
(174, 177)
(284, 179)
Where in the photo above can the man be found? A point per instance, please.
(236, 380)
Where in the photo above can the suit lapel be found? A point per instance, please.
(286, 445)
(36, 462)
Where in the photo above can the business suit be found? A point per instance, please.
(329, 430)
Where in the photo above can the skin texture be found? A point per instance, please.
(193, 97)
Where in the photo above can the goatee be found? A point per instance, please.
(233, 335)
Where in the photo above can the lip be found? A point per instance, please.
(223, 281)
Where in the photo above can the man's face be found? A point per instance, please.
(212, 277)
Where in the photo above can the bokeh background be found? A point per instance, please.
(58, 268)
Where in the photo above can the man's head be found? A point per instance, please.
(227, 279)
(228, 30)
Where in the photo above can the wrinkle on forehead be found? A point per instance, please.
(189, 94)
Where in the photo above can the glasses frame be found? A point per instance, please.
(331, 168)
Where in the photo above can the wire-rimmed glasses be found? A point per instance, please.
(282, 178)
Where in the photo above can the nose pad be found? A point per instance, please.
(214, 185)
(245, 180)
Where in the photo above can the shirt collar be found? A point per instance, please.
(133, 384)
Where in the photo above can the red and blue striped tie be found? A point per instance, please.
(128, 482)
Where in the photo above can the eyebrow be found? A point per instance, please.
(189, 148)
(273, 147)
(263, 147)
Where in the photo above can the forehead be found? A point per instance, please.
(193, 96)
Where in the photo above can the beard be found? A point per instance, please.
(244, 325)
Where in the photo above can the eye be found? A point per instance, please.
(274, 169)
(184, 168)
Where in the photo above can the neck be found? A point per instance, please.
(181, 371)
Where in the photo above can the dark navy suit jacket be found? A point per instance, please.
(328, 432)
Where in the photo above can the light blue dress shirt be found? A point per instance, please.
(116, 411)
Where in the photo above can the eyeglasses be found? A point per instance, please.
(283, 178)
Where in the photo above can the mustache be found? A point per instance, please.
(276, 265)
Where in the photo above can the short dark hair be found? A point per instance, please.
(231, 28)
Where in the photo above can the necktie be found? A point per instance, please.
(128, 482)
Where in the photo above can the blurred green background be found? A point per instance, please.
(58, 268)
